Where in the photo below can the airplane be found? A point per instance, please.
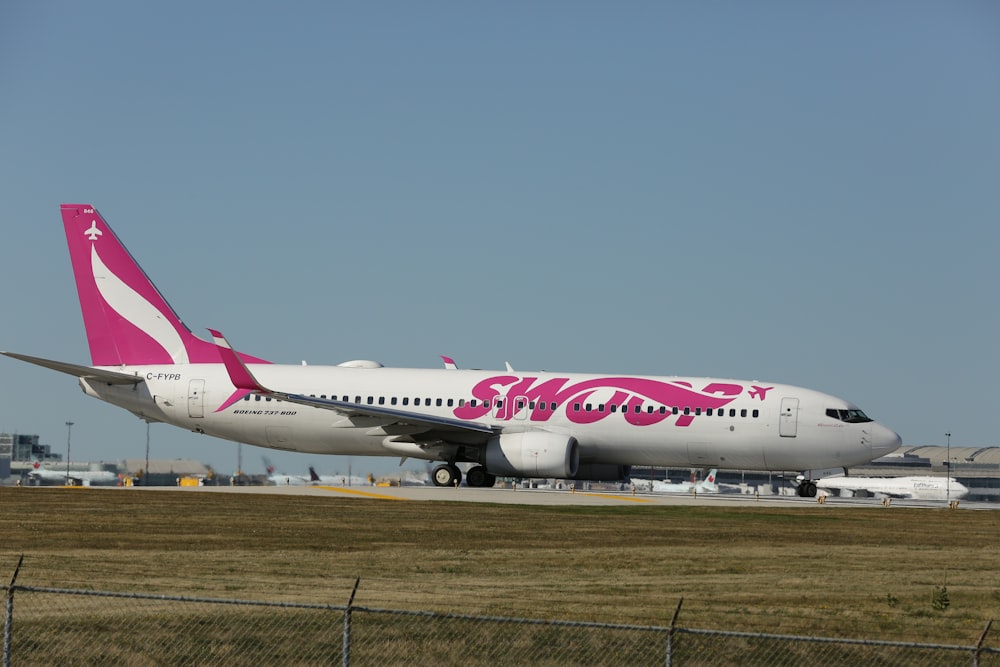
(72, 477)
(706, 485)
(572, 426)
(338, 480)
(916, 487)
(280, 479)
(313, 478)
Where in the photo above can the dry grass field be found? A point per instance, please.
(829, 571)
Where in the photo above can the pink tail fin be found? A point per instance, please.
(128, 321)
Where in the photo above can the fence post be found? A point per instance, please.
(670, 633)
(8, 617)
(347, 625)
(979, 645)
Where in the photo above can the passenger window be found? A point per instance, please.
(406, 400)
(743, 412)
(392, 401)
(697, 411)
(381, 400)
(451, 402)
(756, 413)
(371, 400)
(587, 407)
(439, 402)
(576, 407)
(687, 411)
(708, 412)
(416, 401)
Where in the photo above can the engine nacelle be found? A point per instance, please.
(532, 454)
(603, 472)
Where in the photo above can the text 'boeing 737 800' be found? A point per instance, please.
(515, 424)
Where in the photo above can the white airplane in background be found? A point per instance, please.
(337, 480)
(918, 488)
(281, 479)
(73, 477)
(707, 485)
(517, 424)
(312, 479)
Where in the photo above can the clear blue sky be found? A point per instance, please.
(800, 192)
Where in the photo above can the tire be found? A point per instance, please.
(444, 475)
(476, 476)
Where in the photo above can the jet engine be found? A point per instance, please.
(532, 454)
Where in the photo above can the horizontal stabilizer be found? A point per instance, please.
(76, 370)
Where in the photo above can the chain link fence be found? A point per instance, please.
(44, 626)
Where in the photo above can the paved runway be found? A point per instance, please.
(569, 498)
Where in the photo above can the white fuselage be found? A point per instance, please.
(917, 487)
(658, 421)
(85, 477)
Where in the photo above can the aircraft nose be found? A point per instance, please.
(884, 440)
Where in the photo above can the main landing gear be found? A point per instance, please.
(807, 489)
(448, 474)
(478, 477)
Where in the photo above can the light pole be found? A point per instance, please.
(145, 472)
(948, 483)
(69, 437)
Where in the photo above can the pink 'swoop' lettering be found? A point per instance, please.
(630, 397)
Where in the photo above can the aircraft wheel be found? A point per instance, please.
(478, 477)
(808, 489)
(444, 475)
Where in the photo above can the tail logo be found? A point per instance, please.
(93, 233)
(136, 309)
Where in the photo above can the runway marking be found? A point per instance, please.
(367, 494)
(614, 497)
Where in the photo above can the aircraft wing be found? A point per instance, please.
(76, 370)
(242, 378)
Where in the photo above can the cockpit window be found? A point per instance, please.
(850, 416)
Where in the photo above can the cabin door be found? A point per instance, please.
(789, 424)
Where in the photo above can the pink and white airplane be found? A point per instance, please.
(519, 424)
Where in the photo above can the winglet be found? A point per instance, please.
(239, 374)
(449, 363)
